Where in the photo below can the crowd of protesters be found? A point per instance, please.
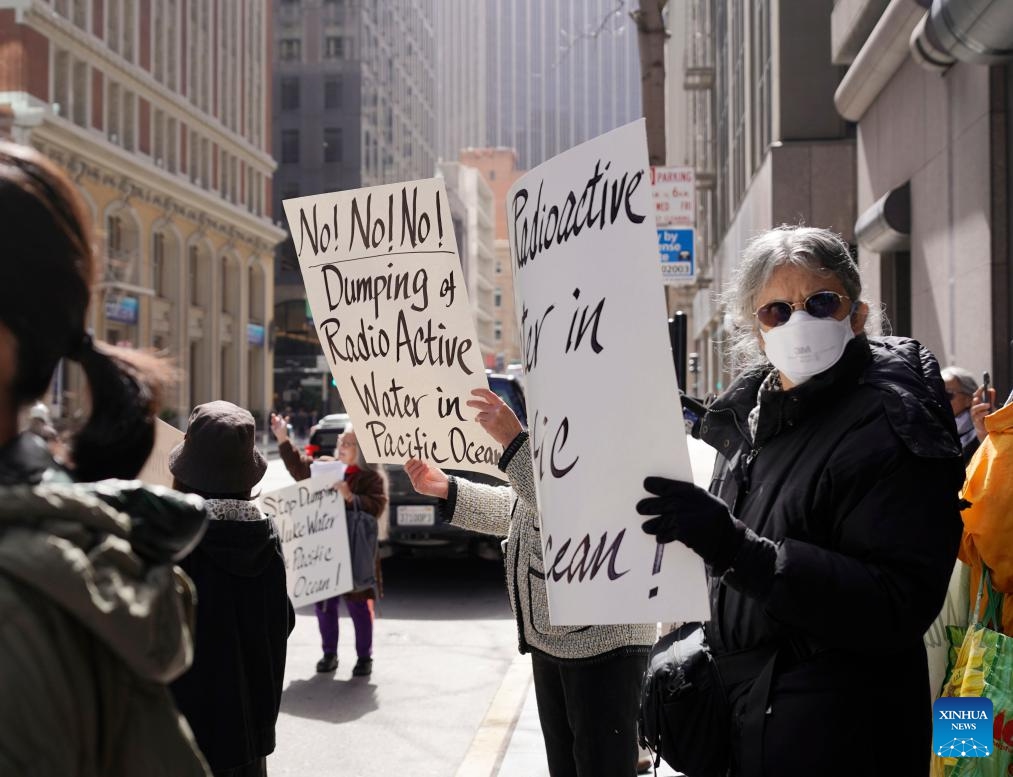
(833, 519)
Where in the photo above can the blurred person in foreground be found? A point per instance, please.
(970, 406)
(833, 523)
(95, 620)
(587, 678)
(365, 486)
(232, 694)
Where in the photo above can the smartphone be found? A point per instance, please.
(986, 384)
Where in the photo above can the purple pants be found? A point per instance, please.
(362, 620)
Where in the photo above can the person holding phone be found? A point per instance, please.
(970, 404)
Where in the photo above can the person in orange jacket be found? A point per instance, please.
(988, 521)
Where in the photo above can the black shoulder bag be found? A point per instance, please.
(685, 716)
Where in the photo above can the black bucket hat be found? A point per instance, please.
(218, 454)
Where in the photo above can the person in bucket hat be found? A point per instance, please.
(218, 454)
(232, 694)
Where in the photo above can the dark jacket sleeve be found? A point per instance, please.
(296, 462)
(369, 487)
(887, 562)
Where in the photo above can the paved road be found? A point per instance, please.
(444, 639)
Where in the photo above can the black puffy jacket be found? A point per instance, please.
(855, 475)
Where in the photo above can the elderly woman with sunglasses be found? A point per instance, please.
(832, 524)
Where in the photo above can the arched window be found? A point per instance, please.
(158, 264)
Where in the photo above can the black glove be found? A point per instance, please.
(694, 517)
(165, 525)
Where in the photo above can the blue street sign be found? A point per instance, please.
(678, 262)
(123, 310)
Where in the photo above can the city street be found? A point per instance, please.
(444, 640)
(449, 695)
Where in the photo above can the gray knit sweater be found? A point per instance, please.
(512, 512)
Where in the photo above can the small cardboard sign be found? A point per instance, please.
(311, 521)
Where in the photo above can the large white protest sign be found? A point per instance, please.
(310, 516)
(390, 306)
(156, 468)
(602, 396)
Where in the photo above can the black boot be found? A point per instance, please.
(363, 667)
(328, 663)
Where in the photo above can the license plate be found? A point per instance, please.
(421, 515)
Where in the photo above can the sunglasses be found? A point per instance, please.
(822, 304)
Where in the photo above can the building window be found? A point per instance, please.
(81, 13)
(170, 145)
(129, 111)
(290, 94)
(334, 47)
(114, 236)
(158, 265)
(191, 286)
(332, 145)
(332, 93)
(497, 298)
(290, 146)
(113, 113)
(80, 94)
(497, 331)
(895, 291)
(225, 286)
(61, 82)
(290, 50)
(337, 8)
(223, 174)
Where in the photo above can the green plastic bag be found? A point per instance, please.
(983, 668)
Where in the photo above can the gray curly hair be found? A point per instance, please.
(819, 250)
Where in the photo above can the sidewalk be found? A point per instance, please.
(509, 741)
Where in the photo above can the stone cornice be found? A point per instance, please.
(87, 156)
(70, 36)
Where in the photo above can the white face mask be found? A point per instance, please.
(806, 346)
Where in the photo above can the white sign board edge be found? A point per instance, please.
(156, 469)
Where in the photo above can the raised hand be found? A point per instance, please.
(495, 416)
(279, 427)
(981, 406)
(427, 479)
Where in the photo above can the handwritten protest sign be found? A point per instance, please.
(391, 309)
(156, 468)
(602, 396)
(310, 516)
